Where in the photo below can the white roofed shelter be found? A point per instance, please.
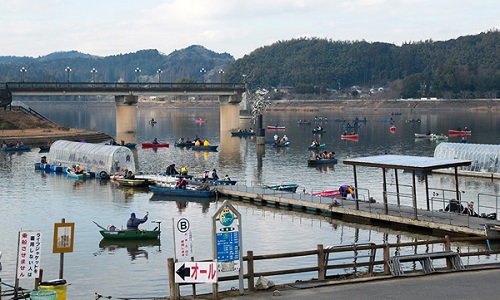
(92, 157)
(422, 165)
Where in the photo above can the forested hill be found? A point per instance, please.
(184, 64)
(466, 67)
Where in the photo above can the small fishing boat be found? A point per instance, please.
(152, 145)
(112, 233)
(350, 136)
(313, 161)
(217, 182)
(393, 128)
(283, 187)
(17, 148)
(328, 193)
(319, 130)
(73, 175)
(323, 119)
(44, 148)
(139, 182)
(424, 135)
(459, 132)
(184, 144)
(281, 145)
(351, 126)
(316, 147)
(130, 234)
(275, 127)
(440, 137)
(385, 120)
(204, 148)
(200, 121)
(151, 122)
(340, 120)
(303, 122)
(188, 192)
(242, 133)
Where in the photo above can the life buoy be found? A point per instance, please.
(103, 175)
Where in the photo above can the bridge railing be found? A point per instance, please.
(121, 86)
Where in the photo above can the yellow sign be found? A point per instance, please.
(64, 237)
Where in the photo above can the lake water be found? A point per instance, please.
(32, 200)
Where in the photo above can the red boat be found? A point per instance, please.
(328, 193)
(392, 129)
(275, 127)
(350, 136)
(459, 132)
(151, 145)
(199, 121)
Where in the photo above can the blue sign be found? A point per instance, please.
(227, 246)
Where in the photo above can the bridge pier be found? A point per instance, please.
(229, 112)
(126, 118)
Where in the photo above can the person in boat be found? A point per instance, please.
(469, 210)
(227, 177)
(78, 169)
(19, 143)
(205, 186)
(43, 160)
(204, 175)
(345, 132)
(4, 144)
(276, 138)
(251, 129)
(155, 141)
(464, 140)
(197, 143)
(133, 223)
(331, 155)
(319, 128)
(324, 155)
(171, 170)
(129, 174)
(454, 206)
(180, 141)
(284, 139)
(188, 140)
(183, 170)
(459, 129)
(213, 175)
(181, 183)
(206, 143)
(345, 190)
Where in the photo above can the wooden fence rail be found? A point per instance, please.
(324, 259)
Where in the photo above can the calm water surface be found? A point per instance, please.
(31, 200)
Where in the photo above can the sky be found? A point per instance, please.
(112, 27)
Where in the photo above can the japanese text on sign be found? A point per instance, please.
(183, 239)
(28, 261)
(195, 272)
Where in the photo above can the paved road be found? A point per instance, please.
(479, 284)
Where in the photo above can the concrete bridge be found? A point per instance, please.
(127, 94)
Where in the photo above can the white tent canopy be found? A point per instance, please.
(486, 158)
(92, 157)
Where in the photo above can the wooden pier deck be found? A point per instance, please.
(403, 217)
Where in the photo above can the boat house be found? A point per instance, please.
(92, 157)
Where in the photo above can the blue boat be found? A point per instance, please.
(172, 191)
(351, 126)
(280, 145)
(57, 169)
(74, 175)
(217, 182)
(44, 148)
(313, 161)
(204, 148)
(316, 147)
(242, 133)
(184, 144)
(15, 148)
(283, 187)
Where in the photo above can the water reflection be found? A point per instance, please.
(136, 249)
(183, 202)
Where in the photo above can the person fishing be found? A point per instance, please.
(133, 223)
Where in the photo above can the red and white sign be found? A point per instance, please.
(28, 261)
(183, 239)
(195, 272)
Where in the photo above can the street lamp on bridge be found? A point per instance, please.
(68, 70)
(137, 73)
(93, 71)
(159, 71)
(221, 72)
(23, 72)
(203, 71)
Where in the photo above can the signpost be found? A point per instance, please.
(64, 237)
(29, 251)
(196, 272)
(226, 241)
(183, 239)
